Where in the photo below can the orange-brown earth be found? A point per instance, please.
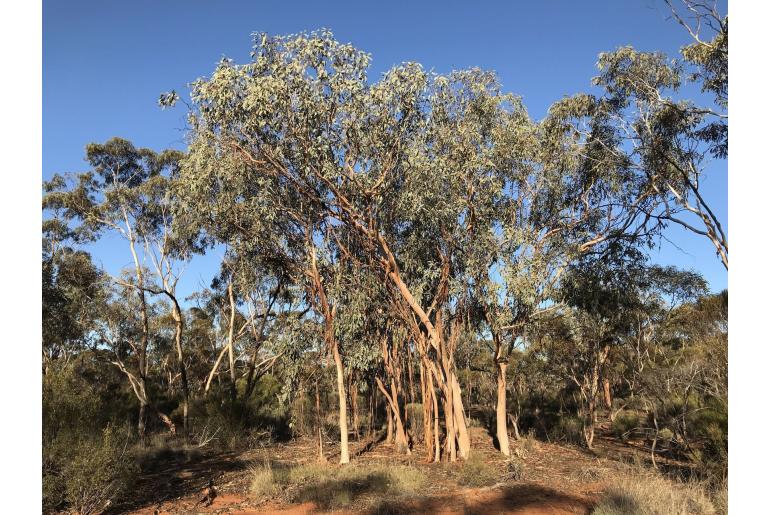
(558, 479)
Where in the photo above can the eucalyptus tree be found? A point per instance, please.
(168, 255)
(615, 300)
(666, 141)
(289, 125)
(258, 214)
(114, 196)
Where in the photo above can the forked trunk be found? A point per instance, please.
(394, 418)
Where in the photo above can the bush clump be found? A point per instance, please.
(87, 474)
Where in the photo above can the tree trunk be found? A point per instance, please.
(427, 422)
(321, 456)
(394, 415)
(449, 419)
(231, 343)
(343, 415)
(179, 323)
(354, 407)
(436, 445)
(607, 394)
(590, 423)
(500, 412)
(463, 438)
(141, 428)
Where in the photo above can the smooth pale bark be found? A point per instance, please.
(500, 410)
(321, 303)
(463, 437)
(214, 369)
(139, 389)
(456, 427)
(343, 414)
(436, 445)
(391, 360)
(449, 420)
(600, 355)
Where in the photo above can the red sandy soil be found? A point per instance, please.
(559, 480)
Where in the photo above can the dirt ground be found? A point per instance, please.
(558, 479)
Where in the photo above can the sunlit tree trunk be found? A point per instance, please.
(501, 410)
(343, 410)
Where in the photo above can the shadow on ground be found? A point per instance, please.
(512, 499)
(176, 473)
(337, 493)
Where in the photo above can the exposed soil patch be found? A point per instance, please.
(557, 479)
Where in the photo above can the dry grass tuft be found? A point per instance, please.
(652, 494)
(477, 473)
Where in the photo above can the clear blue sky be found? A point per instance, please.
(105, 64)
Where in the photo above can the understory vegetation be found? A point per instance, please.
(405, 261)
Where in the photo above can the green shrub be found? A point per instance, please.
(70, 404)
(83, 463)
(569, 429)
(624, 423)
(86, 473)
